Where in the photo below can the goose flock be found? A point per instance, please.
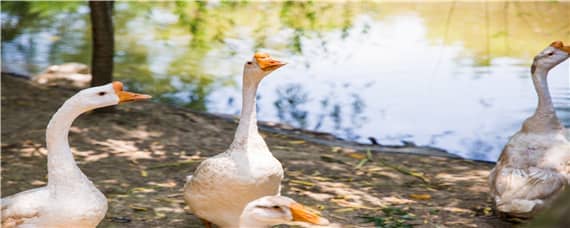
(241, 187)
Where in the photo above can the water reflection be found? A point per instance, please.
(288, 105)
(452, 75)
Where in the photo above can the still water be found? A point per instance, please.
(449, 75)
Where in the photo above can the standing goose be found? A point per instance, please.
(534, 166)
(269, 211)
(70, 199)
(222, 185)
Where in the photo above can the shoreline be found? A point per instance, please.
(328, 139)
(324, 138)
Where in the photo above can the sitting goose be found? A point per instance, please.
(269, 211)
(534, 166)
(222, 185)
(70, 199)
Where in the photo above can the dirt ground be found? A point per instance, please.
(139, 156)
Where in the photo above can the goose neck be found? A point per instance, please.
(247, 132)
(544, 118)
(62, 169)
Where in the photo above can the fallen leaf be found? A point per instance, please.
(297, 142)
(361, 163)
(358, 156)
(343, 210)
(302, 182)
(374, 169)
(138, 208)
(336, 149)
(321, 178)
(487, 211)
(175, 195)
(282, 148)
(421, 196)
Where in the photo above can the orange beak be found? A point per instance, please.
(558, 44)
(267, 63)
(125, 96)
(302, 214)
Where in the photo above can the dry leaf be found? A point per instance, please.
(358, 156)
(321, 178)
(487, 211)
(421, 196)
(336, 149)
(138, 208)
(302, 182)
(297, 142)
(281, 148)
(343, 210)
(361, 163)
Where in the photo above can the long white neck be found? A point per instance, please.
(62, 169)
(545, 106)
(246, 134)
(544, 118)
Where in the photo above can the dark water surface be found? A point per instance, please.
(451, 75)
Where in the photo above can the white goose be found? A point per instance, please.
(269, 211)
(534, 166)
(70, 199)
(222, 185)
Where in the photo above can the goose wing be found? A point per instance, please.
(532, 183)
(22, 206)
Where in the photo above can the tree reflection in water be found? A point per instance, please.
(288, 104)
(191, 54)
(346, 117)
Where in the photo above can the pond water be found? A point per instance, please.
(449, 75)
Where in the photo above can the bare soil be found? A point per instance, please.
(140, 154)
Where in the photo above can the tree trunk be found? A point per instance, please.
(103, 42)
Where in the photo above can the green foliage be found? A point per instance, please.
(18, 16)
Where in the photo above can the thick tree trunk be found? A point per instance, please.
(103, 42)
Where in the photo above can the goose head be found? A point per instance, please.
(551, 56)
(103, 96)
(274, 210)
(261, 65)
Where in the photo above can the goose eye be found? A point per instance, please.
(101, 93)
(550, 54)
(276, 207)
(249, 62)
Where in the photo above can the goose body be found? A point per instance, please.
(222, 185)
(534, 166)
(70, 199)
(39, 207)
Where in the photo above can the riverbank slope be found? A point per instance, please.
(139, 156)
